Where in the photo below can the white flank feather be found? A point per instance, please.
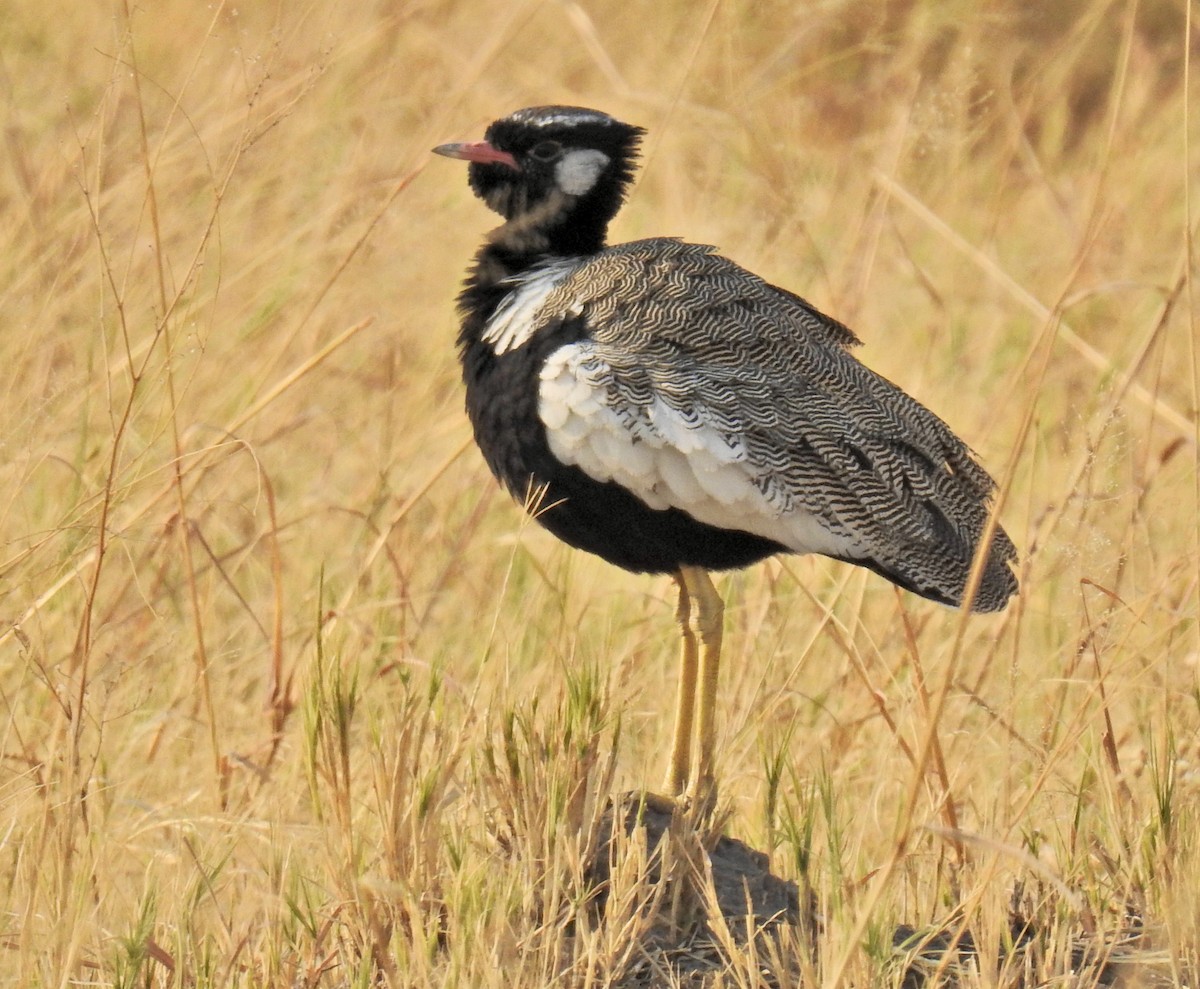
(679, 461)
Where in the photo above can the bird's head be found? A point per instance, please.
(553, 166)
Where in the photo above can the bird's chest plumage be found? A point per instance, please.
(502, 403)
(502, 360)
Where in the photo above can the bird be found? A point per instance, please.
(659, 406)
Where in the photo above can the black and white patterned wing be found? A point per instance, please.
(711, 391)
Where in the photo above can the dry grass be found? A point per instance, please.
(291, 695)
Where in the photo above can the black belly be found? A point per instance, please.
(605, 519)
(599, 517)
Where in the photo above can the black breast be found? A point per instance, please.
(599, 517)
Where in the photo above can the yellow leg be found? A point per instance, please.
(681, 743)
(706, 619)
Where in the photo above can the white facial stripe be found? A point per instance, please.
(565, 117)
(578, 170)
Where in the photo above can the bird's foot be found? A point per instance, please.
(702, 799)
(693, 815)
(655, 803)
(678, 834)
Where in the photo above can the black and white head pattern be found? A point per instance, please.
(578, 153)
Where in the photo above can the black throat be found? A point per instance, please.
(559, 227)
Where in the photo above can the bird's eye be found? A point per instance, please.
(546, 150)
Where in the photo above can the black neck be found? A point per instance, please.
(498, 260)
(559, 226)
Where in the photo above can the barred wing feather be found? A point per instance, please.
(713, 392)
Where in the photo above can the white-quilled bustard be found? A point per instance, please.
(659, 406)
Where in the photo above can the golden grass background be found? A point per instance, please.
(292, 695)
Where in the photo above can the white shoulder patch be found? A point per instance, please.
(665, 458)
(578, 170)
(515, 319)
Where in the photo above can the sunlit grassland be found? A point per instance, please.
(291, 694)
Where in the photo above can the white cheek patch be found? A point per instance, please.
(578, 170)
